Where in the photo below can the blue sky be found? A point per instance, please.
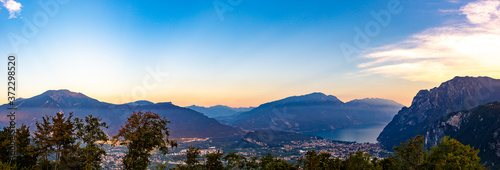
(254, 52)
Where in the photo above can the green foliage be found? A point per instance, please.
(312, 160)
(192, 155)
(192, 162)
(389, 163)
(214, 160)
(5, 144)
(235, 161)
(56, 135)
(90, 133)
(142, 133)
(451, 154)
(7, 166)
(252, 163)
(42, 138)
(412, 153)
(358, 161)
(325, 162)
(270, 162)
(26, 153)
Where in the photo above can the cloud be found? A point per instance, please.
(13, 7)
(436, 54)
(481, 11)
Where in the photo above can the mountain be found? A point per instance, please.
(185, 123)
(219, 110)
(316, 112)
(478, 127)
(140, 103)
(459, 93)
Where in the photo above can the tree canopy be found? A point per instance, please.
(143, 132)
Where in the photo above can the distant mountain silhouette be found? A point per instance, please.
(140, 103)
(316, 112)
(219, 110)
(185, 122)
(459, 93)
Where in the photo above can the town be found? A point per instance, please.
(290, 152)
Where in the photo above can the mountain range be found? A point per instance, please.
(428, 106)
(219, 110)
(316, 112)
(185, 123)
(464, 108)
(310, 112)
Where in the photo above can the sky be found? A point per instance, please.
(244, 53)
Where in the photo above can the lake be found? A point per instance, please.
(359, 133)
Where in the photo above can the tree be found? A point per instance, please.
(389, 163)
(325, 162)
(142, 133)
(214, 160)
(56, 135)
(192, 155)
(5, 144)
(234, 161)
(90, 133)
(26, 153)
(358, 161)
(451, 154)
(266, 161)
(312, 160)
(270, 162)
(252, 163)
(412, 153)
(62, 135)
(336, 164)
(43, 141)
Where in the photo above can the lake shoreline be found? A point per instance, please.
(358, 133)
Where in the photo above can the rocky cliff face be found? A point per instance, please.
(460, 93)
(478, 127)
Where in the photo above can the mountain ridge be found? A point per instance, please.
(464, 126)
(459, 93)
(184, 122)
(314, 112)
(219, 110)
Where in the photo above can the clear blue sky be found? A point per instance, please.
(253, 52)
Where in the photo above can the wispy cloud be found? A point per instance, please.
(436, 54)
(13, 7)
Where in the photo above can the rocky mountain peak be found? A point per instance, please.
(428, 106)
(59, 95)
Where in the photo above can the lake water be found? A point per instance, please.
(359, 133)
